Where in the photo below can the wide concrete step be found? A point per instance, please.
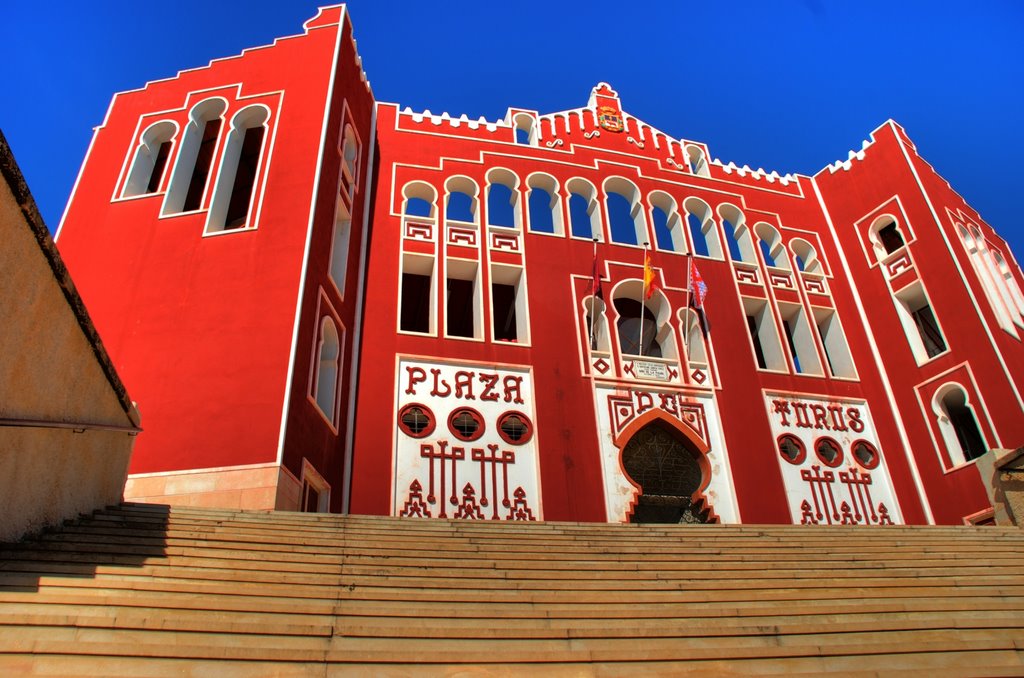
(150, 590)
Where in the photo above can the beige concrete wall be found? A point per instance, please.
(49, 371)
(246, 487)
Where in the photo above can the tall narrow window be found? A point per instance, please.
(502, 199)
(837, 352)
(195, 157)
(928, 327)
(703, 230)
(419, 198)
(201, 170)
(597, 324)
(236, 182)
(919, 322)
(339, 245)
(328, 361)
(625, 214)
(545, 210)
(584, 215)
(763, 335)
(508, 304)
(462, 299)
(350, 152)
(737, 235)
(524, 129)
(668, 229)
(997, 291)
(770, 242)
(416, 313)
(696, 161)
(958, 424)
(461, 201)
(150, 160)
(1011, 282)
(805, 256)
(693, 336)
(755, 338)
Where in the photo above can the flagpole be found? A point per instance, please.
(643, 301)
(593, 301)
(689, 301)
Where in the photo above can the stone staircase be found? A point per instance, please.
(146, 590)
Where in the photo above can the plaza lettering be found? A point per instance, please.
(465, 384)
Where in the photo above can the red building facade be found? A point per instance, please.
(325, 302)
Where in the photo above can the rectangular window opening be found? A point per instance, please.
(459, 308)
(919, 322)
(833, 339)
(503, 300)
(928, 327)
(763, 335)
(756, 339)
(792, 346)
(415, 313)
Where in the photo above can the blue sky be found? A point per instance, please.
(788, 86)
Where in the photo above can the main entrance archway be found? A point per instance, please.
(666, 469)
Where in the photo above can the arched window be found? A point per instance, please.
(1011, 282)
(150, 160)
(643, 325)
(339, 245)
(584, 215)
(419, 199)
(696, 161)
(625, 214)
(236, 183)
(502, 199)
(992, 282)
(195, 157)
(350, 152)
(544, 206)
(668, 230)
(693, 336)
(886, 236)
(703, 231)
(524, 129)
(958, 424)
(597, 332)
(770, 242)
(805, 256)
(328, 360)
(737, 235)
(460, 200)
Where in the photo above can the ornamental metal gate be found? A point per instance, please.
(668, 474)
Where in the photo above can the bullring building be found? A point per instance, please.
(326, 302)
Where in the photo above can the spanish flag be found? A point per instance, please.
(649, 284)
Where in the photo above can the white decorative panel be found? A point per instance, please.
(441, 472)
(844, 490)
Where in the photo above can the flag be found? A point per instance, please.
(649, 284)
(698, 290)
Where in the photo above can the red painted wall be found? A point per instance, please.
(199, 327)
